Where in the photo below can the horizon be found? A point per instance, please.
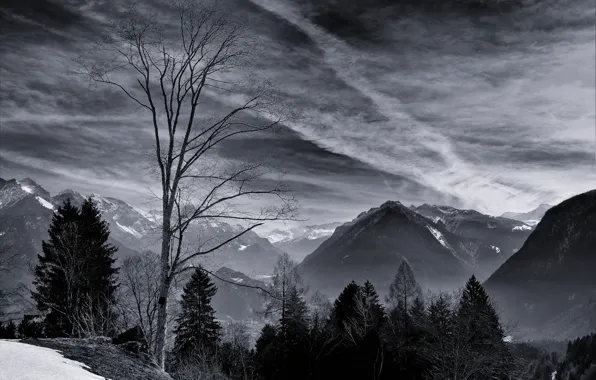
(269, 227)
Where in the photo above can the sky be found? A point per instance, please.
(478, 104)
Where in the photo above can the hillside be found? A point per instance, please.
(373, 245)
(74, 359)
(503, 234)
(553, 272)
(26, 210)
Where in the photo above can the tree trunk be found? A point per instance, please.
(165, 281)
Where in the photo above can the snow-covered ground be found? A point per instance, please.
(20, 361)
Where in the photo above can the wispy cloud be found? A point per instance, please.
(495, 112)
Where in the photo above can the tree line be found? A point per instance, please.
(79, 292)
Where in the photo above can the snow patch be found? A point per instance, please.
(27, 189)
(131, 231)
(319, 233)
(242, 247)
(236, 279)
(439, 236)
(346, 256)
(2, 233)
(553, 375)
(496, 249)
(523, 227)
(571, 297)
(508, 339)
(532, 222)
(24, 361)
(44, 203)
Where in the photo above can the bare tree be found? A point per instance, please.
(175, 70)
(139, 294)
(285, 280)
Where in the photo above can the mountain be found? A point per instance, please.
(140, 231)
(234, 302)
(373, 245)
(532, 217)
(303, 240)
(552, 275)
(26, 211)
(505, 235)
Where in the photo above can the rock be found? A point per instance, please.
(132, 340)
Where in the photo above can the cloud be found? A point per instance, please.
(494, 112)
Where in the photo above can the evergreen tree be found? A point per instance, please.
(8, 331)
(268, 353)
(293, 337)
(371, 299)
(477, 325)
(101, 274)
(59, 273)
(75, 279)
(344, 306)
(30, 328)
(197, 331)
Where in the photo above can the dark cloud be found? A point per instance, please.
(461, 103)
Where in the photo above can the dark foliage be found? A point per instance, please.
(75, 279)
(31, 327)
(580, 360)
(8, 330)
(197, 331)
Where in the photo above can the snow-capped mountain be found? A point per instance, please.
(530, 218)
(303, 240)
(373, 245)
(26, 211)
(506, 235)
(554, 269)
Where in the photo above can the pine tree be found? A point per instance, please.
(477, 326)
(294, 327)
(371, 299)
(8, 331)
(101, 278)
(58, 275)
(344, 307)
(75, 279)
(197, 331)
(30, 328)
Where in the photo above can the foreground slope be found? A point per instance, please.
(73, 359)
(553, 273)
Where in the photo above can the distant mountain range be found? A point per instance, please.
(532, 217)
(26, 210)
(552, 278)
(303, 240)
(443, 251)
(541, 276)
(504, 235)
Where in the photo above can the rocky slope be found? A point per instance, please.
(373, 245)
(504, 235)
(553, 272)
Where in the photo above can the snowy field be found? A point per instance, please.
(20, 361)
